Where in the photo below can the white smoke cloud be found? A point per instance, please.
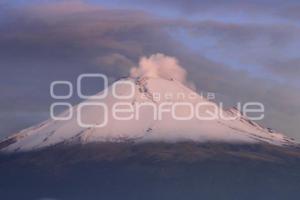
(161, 66)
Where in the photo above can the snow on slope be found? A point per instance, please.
(147, 128)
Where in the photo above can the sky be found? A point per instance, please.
(241, 50)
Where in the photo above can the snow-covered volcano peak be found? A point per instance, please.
(148, 109)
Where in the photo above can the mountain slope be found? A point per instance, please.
(153, 92)
(126, 170)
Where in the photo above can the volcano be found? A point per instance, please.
(144, 96)
(147, 157)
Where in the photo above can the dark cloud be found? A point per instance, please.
(289, 68)
(236, 33)
(267, 46)
(276, 8)
(46, 42)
